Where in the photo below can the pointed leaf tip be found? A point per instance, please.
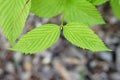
(38, 39)
(82, 36)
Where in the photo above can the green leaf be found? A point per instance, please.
(115, 7)
(81, 36)
(82, 11)
(47, 8)
(72, 10)
(38, 39)
(97, 2)
(13, 14)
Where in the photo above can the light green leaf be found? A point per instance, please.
(13, 14)
(115, 7)
(47, 8)
(81, 36)
(82, 11)
(38, 39)
(97, 2)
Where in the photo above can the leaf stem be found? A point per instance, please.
(62, 22)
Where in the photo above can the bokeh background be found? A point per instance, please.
(64, 61)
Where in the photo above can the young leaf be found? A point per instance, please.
(81, 36)
(13, 14)
(97, 2)
(38, 39)
(82, 11)
(47, 8)
(115, 4)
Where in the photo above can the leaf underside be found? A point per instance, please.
(38, 39)
(47, 8)
(81, 36)
(83, 12)
(73, 10)
(13, 14)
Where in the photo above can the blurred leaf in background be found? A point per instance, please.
(97, 2)
(115, 4)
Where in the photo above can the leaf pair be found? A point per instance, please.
(81, 11)
(45, 36)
